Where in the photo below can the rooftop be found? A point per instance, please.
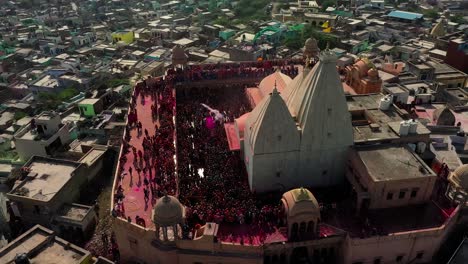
(46, 178)
(405, 15)
(88, 101)
(76, 212)
(387, 163)
(42, 246)
(46, 81)
(92, 156)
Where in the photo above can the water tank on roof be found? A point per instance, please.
(404, 128)
(412, 146)
(22, 259)
(413, 126)
(385, 103)
(421, 147)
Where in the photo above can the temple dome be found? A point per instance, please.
(459, 177)
(443, 117)
(439, 29)
(362, 66)
(311, 44)
(300, 201)
(311, 48)
(373, 73)
(168, 211)
(277, 78)
(178, 53)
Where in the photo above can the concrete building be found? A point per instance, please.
(363, 78)
(41, 245)
(44, 135)
(48, 189)
(457, 54)
(123, 35)
(90, 107)
(389, 176)
(48, 185)
(362, 136)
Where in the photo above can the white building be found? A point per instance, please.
(302, 137)
(42, 136)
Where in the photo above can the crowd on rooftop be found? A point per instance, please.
(153, 166)
(239, 70)
(210, 180)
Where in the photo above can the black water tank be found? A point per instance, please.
(22, 259)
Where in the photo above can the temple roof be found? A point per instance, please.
(270, 116)
(443, 117)
(277, 78)
(318, 104)
(168, 211)
(439, 29)
(303, 89)
(300, 201)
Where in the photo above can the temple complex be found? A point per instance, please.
(270, 162)
(363, 78)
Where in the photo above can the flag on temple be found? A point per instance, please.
(327, 30)
(326, 24)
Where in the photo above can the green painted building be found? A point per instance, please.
(90, 107)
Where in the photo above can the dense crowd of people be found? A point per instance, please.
(210, 180)
(153, 166)
(201, 72)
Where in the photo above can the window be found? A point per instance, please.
(420, 255)
(324, 172)
(389, 196)
(377, 260)
(278, 174)
(414, 192)
(401, 195)
(399, 258)
(329, 111)
(133, 243)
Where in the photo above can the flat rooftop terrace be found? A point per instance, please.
(387, 221)
(41, 246)
(45, 179)
(393, 163)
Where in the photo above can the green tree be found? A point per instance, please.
(67, 94)
(327, 3)
(458, 19)
(223, 21)
(253, 9)
(116, 82)
(323, 39)
(431, 13)
(19, 115)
